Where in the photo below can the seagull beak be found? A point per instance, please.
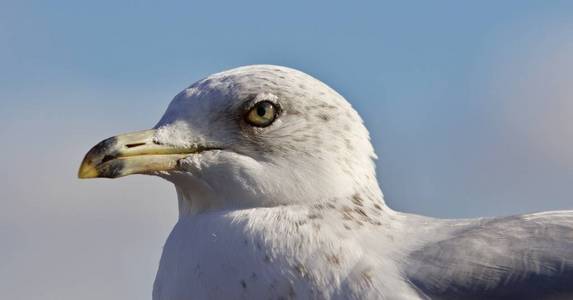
(132, 153)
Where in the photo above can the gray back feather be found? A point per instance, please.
(519, 257)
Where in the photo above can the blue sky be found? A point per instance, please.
(469, 107)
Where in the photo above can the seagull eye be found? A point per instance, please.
(262, 114)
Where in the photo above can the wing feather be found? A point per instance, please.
(518, 257)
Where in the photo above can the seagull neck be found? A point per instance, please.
(195, 197)
(370, 194)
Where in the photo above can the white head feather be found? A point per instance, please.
(316, 150)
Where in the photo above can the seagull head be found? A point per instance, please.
(254, 136)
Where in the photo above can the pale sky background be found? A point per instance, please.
(470, 106)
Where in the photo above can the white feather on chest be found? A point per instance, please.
(281, 252)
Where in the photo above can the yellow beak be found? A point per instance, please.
(132, 153)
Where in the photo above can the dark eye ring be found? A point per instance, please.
(262, 114)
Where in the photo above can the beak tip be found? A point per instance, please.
(87, 170)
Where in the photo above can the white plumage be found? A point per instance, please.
(293, 210)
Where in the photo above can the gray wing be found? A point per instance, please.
(520, 257)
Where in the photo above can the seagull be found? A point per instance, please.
(278, 199)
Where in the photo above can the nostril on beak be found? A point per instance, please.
(134, 145)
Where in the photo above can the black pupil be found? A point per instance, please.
(262, 110)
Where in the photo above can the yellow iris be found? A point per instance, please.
(262, 114)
